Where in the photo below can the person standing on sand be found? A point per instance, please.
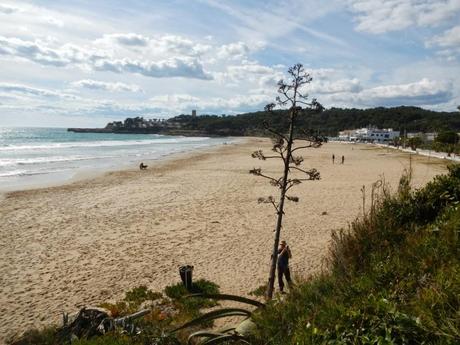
(284, 254)
(333, 158)
(343, 159)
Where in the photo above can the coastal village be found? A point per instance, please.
(181, 125)
(139, 122)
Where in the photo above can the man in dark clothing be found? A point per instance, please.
(284, 254)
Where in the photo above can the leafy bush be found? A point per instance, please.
(178, 293)
(45, 336)
(140, 294)
(260, 291)
(164, 315)
(132, 301)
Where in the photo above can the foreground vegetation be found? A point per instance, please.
(167, 311)
(393, 278)
(446, 141)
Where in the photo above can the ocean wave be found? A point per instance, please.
(20, 173)
(101, 143)
(46, 160)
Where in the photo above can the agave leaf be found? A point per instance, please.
(230, 298)
(226, 330)
(246, 328)
(223, 339)
(216, 314)
(207, 334)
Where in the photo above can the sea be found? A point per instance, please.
(34, 157)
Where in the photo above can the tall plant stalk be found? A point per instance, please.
(292, 97)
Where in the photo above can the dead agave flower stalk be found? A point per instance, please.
(292, 97)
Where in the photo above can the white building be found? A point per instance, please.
(347, 135)
(369, 134)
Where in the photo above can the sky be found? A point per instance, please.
(84, 63)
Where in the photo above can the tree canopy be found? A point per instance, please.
(447, 137)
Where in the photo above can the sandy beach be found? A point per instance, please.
(88, 242)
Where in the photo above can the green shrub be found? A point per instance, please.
(140, 294)
(260, 291)
(45, 336)
(155, 326)
(178, 293)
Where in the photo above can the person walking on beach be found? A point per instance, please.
(343, 159)
(284, 254)
(333, 158)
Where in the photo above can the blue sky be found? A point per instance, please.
(84, 63)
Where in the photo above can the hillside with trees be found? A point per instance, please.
(328, 122)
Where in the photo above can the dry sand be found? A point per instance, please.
(90, 241)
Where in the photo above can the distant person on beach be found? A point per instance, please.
(343, 159)
(142, 166)
(333, 158)
(284, 254)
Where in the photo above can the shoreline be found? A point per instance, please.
(89, 241)
(82, 174)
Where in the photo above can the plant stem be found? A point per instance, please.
(271, 278)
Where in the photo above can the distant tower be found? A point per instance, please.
(193, 112)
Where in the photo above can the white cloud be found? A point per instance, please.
(175, 67)
(160, 45)
(130, 39)
(158, 106)
(182, 102)
(8, 9)
(249, 75)
(180, 45)
(34, 51)
(379, 16)
(32, 91)
(332, 87)
(237, 50)
(40, 20)
(436, 12)
(450, 38)
(243, 70)
(101, 85)
(72, 55)
(424, 92)
(52, 21)
(449, 41)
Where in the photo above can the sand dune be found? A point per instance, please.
(90, 241)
